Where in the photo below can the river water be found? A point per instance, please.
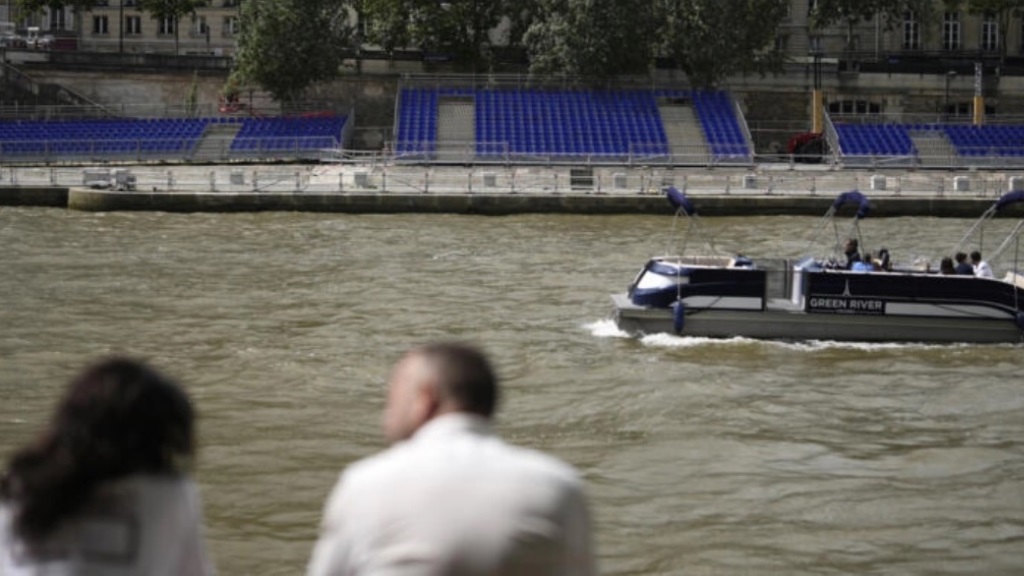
(701, 457)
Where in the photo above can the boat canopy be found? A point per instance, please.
(679, 200)
(977, 229)
(1009, 198)
(853, 197)
(686, 208)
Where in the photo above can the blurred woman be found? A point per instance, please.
(104, 490)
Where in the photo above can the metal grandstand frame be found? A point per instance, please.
(989, 157)
(639, 154)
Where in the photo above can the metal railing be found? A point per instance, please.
(371, 175)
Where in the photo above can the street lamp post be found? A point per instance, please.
(945, 107)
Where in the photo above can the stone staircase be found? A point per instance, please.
(685, 136)
(933, 148)
(456, 129)
(215, 143)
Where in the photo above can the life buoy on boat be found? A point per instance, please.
(678, 316)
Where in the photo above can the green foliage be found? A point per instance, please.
(590, 38)
(712, 39)
(285, 46)
(170, 9)
(457, 28)
(37, 6)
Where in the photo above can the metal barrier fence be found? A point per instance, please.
(779, 179)
(208, 149)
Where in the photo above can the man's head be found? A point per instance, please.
(975, 256)
(437, 379)
(851, 245)
(960, 257)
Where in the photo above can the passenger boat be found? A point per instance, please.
(813, 298)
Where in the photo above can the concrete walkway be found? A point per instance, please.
(768, 189)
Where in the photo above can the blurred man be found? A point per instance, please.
(449, 497)
(981, 268)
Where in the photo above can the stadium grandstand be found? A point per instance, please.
(558, 125)
(445, 122)
(198, 140)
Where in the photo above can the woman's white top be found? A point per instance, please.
(140, 525)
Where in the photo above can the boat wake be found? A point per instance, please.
(606, 328)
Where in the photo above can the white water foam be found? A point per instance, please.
(606, 328)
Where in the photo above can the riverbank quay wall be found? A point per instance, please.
(383, 188)
(86, 199)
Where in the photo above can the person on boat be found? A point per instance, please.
(449, 496)
(946, 267)
(981, 267)
(866, 264)
(852, 251)
(883, 263)
(962, 265)
(103, 490)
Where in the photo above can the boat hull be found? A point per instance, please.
(781, 320)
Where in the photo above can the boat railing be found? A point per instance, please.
(702, 260)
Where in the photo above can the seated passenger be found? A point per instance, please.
(962, 265)
(946, 266)
(883, 263)
(851, 250)
(863, 265)
(981, 268)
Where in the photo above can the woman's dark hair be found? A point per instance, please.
(118, 417)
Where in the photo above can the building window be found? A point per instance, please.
(57, 21)
(854, 107)
(230, 26)
(951, 31)
(989, 33)
(99, 25)
(166, 26)
(911, 31)
(133, 25)
(199, 27)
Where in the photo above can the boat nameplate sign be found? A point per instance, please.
(832, 304)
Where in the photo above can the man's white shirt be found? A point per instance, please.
(456, 500)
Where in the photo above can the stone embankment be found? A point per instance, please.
(512, 190)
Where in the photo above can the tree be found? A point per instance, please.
(711, 39)
(170, 11)
(590, 38)
(286, 45)
(459, 29)
(38, 6)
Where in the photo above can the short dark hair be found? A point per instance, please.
(465, 374)
(118, 417)
(976, 256)
(960, 256)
